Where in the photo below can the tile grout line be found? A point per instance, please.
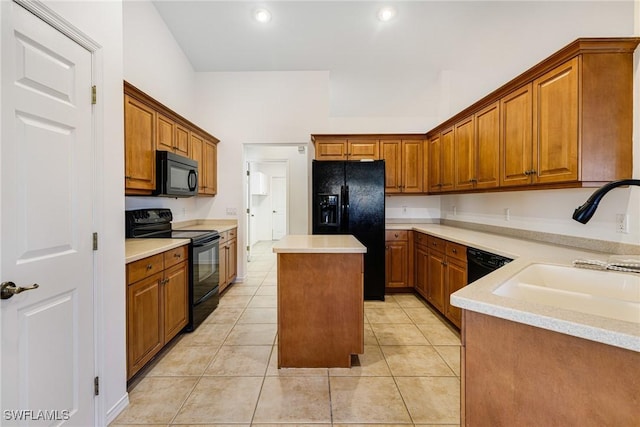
(207, 367)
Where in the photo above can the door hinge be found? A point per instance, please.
(94, 95)
(96, 386)
(248, 248)
(248, 211)
(95, 241)
(248, 173)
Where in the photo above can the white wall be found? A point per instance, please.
(153, 60)
(155, 63)
(257, 108)
(551, 210)
(102, 21)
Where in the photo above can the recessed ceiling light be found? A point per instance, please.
(386, 13)
(262, 15)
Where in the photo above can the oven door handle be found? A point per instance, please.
(205, 242)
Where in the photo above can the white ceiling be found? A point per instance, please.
(375, 67)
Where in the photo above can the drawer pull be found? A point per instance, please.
(149, 266)
(454, 250)
(396, 235)
(177, 255)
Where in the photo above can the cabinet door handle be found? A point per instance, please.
(396, 234)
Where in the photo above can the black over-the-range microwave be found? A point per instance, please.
(176, 176)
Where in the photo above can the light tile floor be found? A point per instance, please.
(226, 371)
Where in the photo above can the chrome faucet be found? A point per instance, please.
(584, 213)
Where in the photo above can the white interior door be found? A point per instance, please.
(279, 207)
(46, 203)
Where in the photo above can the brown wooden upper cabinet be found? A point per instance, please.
(403, 155)
(404, 165)
(139, 144)
(150, 126)
(346, 149)
(171, 136)
(476, 150)
(441, 161)
(204, 152)
(566, 122)
(547, 151)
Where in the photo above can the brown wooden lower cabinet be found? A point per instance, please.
(440, 270)
(157, 304)
(422, 268)
(519, 375)
(320, 309)
(228, 258)
(398, 259)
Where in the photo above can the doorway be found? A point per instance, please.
(268, 210)
(276, 198)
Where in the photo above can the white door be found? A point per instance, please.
(46, 218)
(279, 207)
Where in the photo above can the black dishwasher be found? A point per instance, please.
(481, 263)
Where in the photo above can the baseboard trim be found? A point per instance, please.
(116, 409)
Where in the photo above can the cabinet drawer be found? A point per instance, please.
(224, 236)
(456, 250)
(145, 267)
(175, 256)
(420, 238)
(231, 234)
(436, 243)
(396, 235)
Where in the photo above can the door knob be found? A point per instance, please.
(9, 289)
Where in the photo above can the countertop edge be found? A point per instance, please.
(137, 249)
(319, 244)
(478, 296)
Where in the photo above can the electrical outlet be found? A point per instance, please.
(507, 214)
(404, 210)
(455, 210)
(622, 223)
(184, 211)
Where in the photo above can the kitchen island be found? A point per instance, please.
(320, 300)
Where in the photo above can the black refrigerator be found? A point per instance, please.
(348, 198)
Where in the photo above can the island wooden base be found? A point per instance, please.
(320, 309)
(518, 375)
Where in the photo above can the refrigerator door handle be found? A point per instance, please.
(345, 215)
(347, 197)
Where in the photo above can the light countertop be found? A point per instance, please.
(478, 296)
(221, 225)
(333, 243)
(136, 249)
